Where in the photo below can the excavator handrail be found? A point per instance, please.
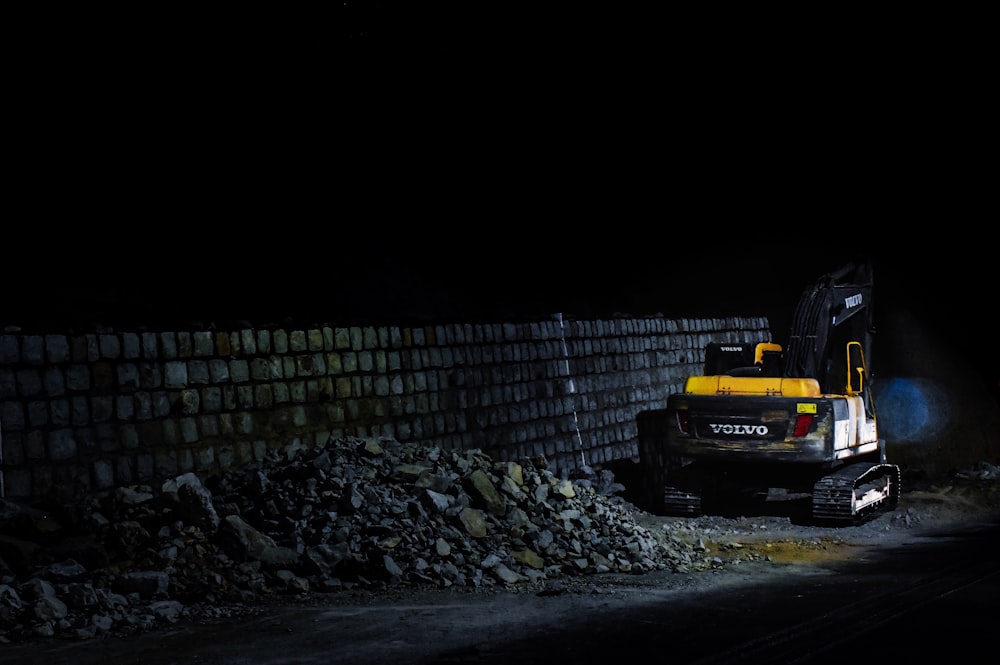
(861, 369)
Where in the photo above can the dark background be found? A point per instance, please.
(366, 163)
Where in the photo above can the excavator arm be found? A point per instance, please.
(834, 311)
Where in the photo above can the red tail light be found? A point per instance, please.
(682, 421)
(802, 424)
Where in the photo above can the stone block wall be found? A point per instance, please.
(82, 413)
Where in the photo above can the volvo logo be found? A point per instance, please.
(758, 430)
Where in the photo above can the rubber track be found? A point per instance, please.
(680, 503)
(832, 493)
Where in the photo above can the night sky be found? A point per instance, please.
(368, 164)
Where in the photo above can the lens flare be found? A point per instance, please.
(911, 409)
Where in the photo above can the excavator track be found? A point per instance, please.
(856, 493)
(680, 503)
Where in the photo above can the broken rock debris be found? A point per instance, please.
(354, 514)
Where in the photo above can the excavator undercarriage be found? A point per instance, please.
(850, 495)
(856, 493)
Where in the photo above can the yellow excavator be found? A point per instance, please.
(770, 421)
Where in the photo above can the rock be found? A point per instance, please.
(348, 516)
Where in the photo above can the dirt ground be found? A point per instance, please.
(415, 626)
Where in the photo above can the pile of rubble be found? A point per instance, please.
(355, 514)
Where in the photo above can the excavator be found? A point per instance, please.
(767, 422)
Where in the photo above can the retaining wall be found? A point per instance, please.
(82, 413)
